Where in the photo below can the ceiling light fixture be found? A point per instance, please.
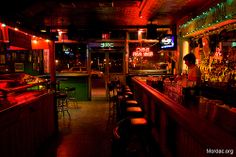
(142, 5)
(140, 15)
(3, 25)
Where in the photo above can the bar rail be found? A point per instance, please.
(179, 132)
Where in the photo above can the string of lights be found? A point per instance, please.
(214, 16)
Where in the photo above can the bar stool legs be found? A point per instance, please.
(112, 105)
(62, 104)
(71, 93)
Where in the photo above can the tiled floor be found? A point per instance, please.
(86, 133)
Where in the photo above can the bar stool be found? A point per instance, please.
(62, 104)
(128, 95)
(127, 90)
(118, 90)
(131, 134)
(111, 92)
(112, 98)
(126, 87)
(71, 93)
(121, 102)
(120, 107)
(124, 105)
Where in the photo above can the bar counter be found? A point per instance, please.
(27, 115)
(18, 99)
(190, 127)
(81, 81)
(27, 121)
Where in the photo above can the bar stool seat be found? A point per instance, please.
(124, 103)
(131, 102)
(61, 96)
(133, 109)
(138, 121)
(134, 112)
(71, 92)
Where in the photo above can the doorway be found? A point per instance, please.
(109, 63)
(98, 83)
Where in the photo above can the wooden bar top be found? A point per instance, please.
(16, 99)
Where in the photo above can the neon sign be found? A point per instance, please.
(142, 52)
(103, 45)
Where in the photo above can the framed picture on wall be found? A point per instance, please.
(2, 59)
(19, 67)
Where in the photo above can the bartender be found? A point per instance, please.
(194, 73)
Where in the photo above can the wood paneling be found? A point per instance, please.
(24, 128)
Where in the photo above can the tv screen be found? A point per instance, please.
(168, 42)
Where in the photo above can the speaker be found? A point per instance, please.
(53, 36)
(213, 42)
(193, 43)
(200, 42)
(151, 31)
(72, 32)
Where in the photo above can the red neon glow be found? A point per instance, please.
(142, 52)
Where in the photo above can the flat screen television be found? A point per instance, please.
(168, 41)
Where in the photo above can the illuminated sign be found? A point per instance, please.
(106, 36)
(233, 44)
(142, 52)
(106, 44)
(103, 45)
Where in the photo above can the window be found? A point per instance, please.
(116, 62)
(155, 61)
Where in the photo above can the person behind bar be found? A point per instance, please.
(194, 73)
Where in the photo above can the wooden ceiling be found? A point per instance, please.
(100, 14)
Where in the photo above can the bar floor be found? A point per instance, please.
(88, 133)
